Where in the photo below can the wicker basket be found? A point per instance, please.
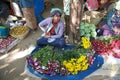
(20, 36)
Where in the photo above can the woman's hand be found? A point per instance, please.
(116, 30)
(47, 35)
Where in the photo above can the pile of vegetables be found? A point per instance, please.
(19, 30)
(99, 47)
(49, 61)
(113, 43)
(87, 30)
(5, 42)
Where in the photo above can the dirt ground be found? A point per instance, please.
(12, 64)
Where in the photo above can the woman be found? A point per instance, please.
(111, 25)
(53, 29)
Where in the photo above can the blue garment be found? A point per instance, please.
(58, 42)
(26, 3)
(38, 9)
(38, 6)
(116, 17)
(108, 19)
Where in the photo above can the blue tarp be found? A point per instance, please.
(80, 76)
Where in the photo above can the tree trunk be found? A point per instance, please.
(75, 19)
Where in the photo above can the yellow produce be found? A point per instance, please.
(19, 30)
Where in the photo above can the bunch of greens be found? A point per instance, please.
(107, 39)
(46, 54)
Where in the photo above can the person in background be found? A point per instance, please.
(4, 10)
(92, 5)
(106, 4)
(111, 24)
(53, 28)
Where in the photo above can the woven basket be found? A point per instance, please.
(20, 36)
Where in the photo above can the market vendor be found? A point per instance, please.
(53, 28)
(111, 24)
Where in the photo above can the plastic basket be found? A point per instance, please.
(4, 30)
(80, 76)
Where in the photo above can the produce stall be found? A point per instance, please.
(68, 63)
(7, 44)
(11, 34)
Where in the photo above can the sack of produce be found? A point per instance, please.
(93, 17)
(19, 32)
(4, 30)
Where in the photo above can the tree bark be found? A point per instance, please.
(75, 19)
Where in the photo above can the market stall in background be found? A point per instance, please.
(15, 21)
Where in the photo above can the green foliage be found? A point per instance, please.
(83, 50)
(46, 54)
(107, 39)
(71, 54)
(43, 54)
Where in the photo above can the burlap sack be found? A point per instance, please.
(93, 17)
(30, 18)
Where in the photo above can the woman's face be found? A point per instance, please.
(119, 11)
(56, 19)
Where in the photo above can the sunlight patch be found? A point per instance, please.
(3, 66)
(3, 56)
(23, 53)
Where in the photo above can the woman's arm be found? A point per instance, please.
(43, 24)
(109, 17)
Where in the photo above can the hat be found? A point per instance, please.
(117, 5)
(56, 11)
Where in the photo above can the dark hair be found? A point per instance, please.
(57, 13)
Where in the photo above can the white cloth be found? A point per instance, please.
(66, 6)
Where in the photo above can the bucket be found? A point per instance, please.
(4, 30)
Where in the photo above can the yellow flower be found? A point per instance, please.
(78, 67)
(64, 62)
(85, 67)
(86, 45)
(75, 72)
(82, 57)
(85, 42)
(74, 65)
(73, 59)
(71, 69)
(68, 65)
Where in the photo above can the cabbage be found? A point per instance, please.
(87, 30)
(82, 33)
(93, 34)
(82, 27)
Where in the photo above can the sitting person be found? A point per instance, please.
(53, 29)
(111, 24)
